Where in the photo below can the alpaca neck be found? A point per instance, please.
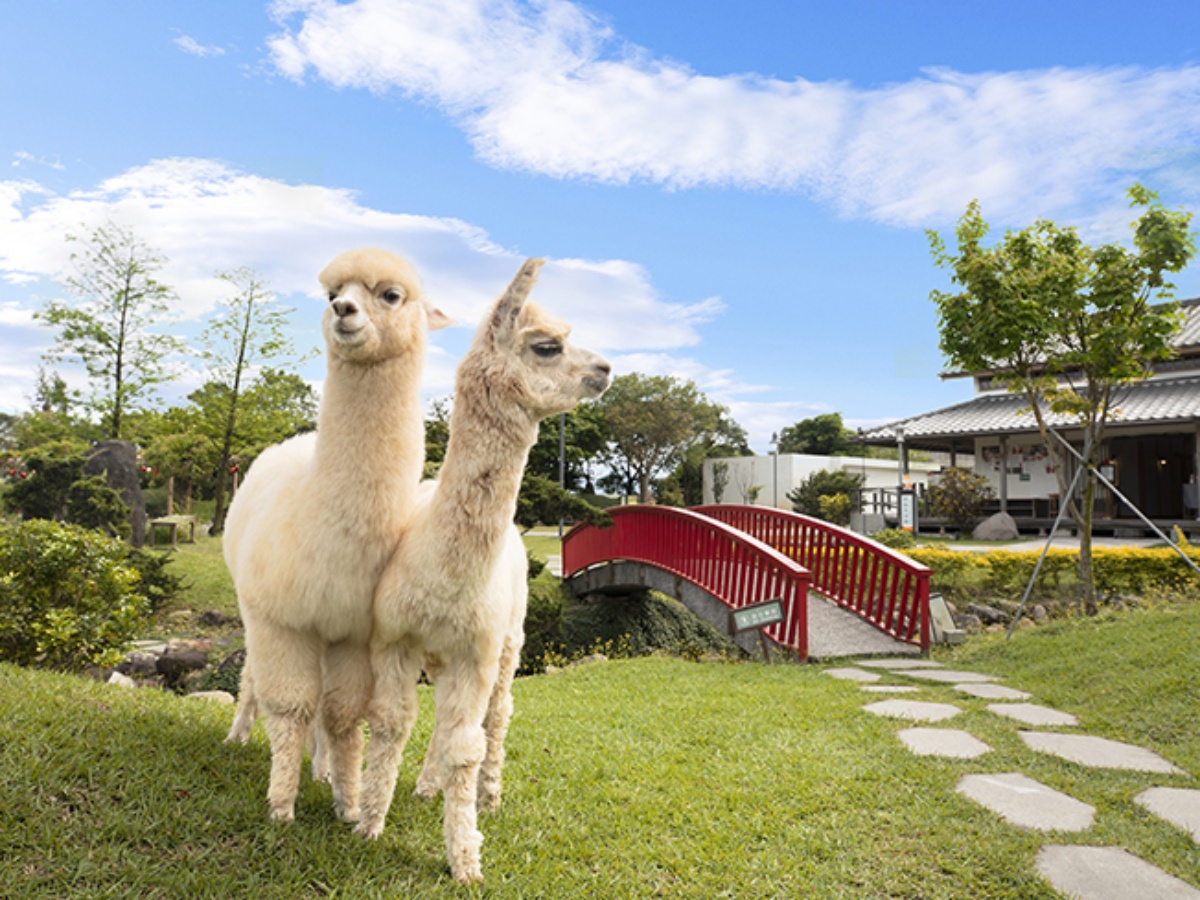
(476, 496)
(370, 438)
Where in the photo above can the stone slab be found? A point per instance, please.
(1026, 803)
(1108, 873)
(949, 742)
(851, 674)
(947, 676)
(1179, 806)
(992, 692)
(899, 663)
(913, 709)
(1032, 714)
(890, 688)
(835, 633)
(1099, 753)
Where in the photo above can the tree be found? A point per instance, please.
(585, 437)
(686, 482)
(107, 328)
(1068, 326)
(958, 496)
(247, 331)
(806, 499)
(823, 435)
(652, 421)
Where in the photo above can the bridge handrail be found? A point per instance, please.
(881, 585)
(734, 567)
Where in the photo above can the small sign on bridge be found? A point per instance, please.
(757, 616)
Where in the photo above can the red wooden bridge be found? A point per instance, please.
(718, 558)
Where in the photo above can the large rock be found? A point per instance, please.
(117, 462)
(1000, 527)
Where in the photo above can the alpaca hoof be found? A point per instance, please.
(237, 737)
(283, 814)
(472, 874)
(426, 791)
(368, 830)
(349, 814)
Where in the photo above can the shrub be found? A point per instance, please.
(56, 488)
(958, 497)
(543, 625)
(806, 499)
(69, 597)
(641, 623)
(896, 538)
(835, 509)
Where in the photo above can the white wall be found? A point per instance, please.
(778, 476)
(1029, 472)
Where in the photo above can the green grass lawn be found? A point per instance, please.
(638, 778)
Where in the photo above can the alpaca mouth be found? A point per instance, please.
(596, 385)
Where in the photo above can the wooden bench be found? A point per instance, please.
(172, 523)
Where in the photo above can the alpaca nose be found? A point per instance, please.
(344, 308)
(604, 368)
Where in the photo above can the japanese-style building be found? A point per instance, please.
(1151, 451)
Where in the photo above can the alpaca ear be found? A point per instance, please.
(508, 307)
(438, 319)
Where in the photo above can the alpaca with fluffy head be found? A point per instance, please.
(453, 597)
(317, 518)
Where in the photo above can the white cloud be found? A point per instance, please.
(206, 217)
(23, 158)
(546, 87)
(192, 47)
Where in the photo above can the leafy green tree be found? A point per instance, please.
(247, 331)
(585, 438)
(1068, 326)
(652, 422)
(118, 300)
(806, 498)
(823, 435)
(541, 502)
(958, 496)
(437, 435)
(686, 482)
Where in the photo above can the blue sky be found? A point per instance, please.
(732, 193)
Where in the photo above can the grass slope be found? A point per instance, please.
(639, 778)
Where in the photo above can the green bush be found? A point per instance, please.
(69, 597)
(640, 624)
(835, 509)
(543, 625)
(958, 497)
(896, 538)
(56, 488)
(806, 499)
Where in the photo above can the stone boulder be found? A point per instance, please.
(117, 462)
(1000, 527)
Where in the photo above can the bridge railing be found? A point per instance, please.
(884, 587)
(734, 567)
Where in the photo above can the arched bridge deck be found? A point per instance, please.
(718, 558)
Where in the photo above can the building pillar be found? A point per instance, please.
(1003, 473)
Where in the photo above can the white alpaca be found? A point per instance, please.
(317, 518)
(453, 597)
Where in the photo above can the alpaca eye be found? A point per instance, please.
(393, 295)
(333, 296)
(547, 349)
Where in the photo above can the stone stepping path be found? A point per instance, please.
(1099, 753)
(1026, 803)
(1032, 714)
(992, 692)
(1108, 873)
(851, 674)
(1179, 806)
(890, 688)
(949, 742)
(913, 709)
(1088, 873)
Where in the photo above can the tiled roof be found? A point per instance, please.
(1189, 334)
(1160, 401)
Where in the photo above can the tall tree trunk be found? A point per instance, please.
(1087, 573)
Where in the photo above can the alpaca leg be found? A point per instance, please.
(429, 782)
(288, 690)
(390, 714)
(343, 707)
(495, 727)
(247, 710)
(462, 698)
